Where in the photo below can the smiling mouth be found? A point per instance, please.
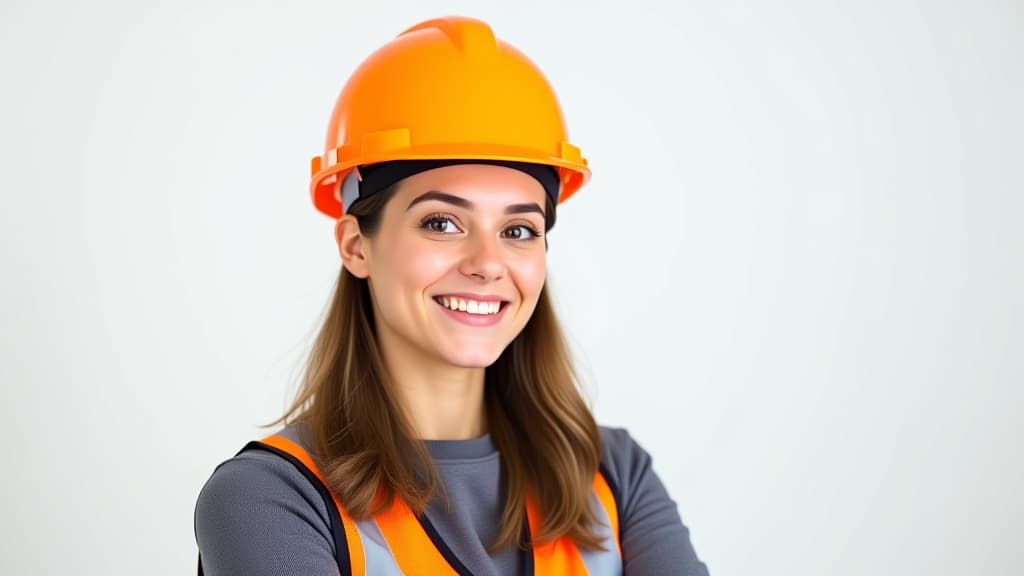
(471, 306)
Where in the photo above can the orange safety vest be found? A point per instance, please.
(398, 542)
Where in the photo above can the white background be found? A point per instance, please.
(796, 275)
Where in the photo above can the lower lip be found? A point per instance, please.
(474, 319)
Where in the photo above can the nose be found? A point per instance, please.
(483, 259)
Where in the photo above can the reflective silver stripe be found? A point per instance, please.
(379, 559)
(608, 562)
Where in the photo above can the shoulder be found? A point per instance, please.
(623, 460)
(629, 470)
(252, 478)
(257, 476)
(616, 441)
(256, 505)
(654, 538)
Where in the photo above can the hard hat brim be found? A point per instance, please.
(326, 177)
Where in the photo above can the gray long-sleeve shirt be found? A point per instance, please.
(257, 515)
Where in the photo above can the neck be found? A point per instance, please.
(443, 402)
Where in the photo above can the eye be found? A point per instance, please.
(521, 232)
(439, 223)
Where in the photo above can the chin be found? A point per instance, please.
(480, 358)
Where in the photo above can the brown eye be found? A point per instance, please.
(521, 232)
(439, 224)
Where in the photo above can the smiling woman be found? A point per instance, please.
(439, 428)
(473, 245)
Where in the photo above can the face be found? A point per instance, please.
(458, 264)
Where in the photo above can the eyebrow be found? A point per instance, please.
(463, 203)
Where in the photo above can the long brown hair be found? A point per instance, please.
(363, 442)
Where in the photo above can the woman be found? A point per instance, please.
(439, 429)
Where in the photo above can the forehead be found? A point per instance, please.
(482, 184)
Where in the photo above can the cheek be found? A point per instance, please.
(421, 264)
(529, 276)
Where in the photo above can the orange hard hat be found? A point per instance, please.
(445, 89)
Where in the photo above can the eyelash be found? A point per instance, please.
(425, 224)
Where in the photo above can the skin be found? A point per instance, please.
(437, 363)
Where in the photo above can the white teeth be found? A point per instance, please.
(470, 306)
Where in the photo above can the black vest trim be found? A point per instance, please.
(616, 495)
(442, 546)
(527, 539)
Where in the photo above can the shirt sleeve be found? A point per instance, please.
(259, 516)
(653, 537)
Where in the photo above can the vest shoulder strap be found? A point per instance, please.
(562, 556)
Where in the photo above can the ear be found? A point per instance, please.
(350, 246)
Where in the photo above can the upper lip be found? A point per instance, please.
(469, 296)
